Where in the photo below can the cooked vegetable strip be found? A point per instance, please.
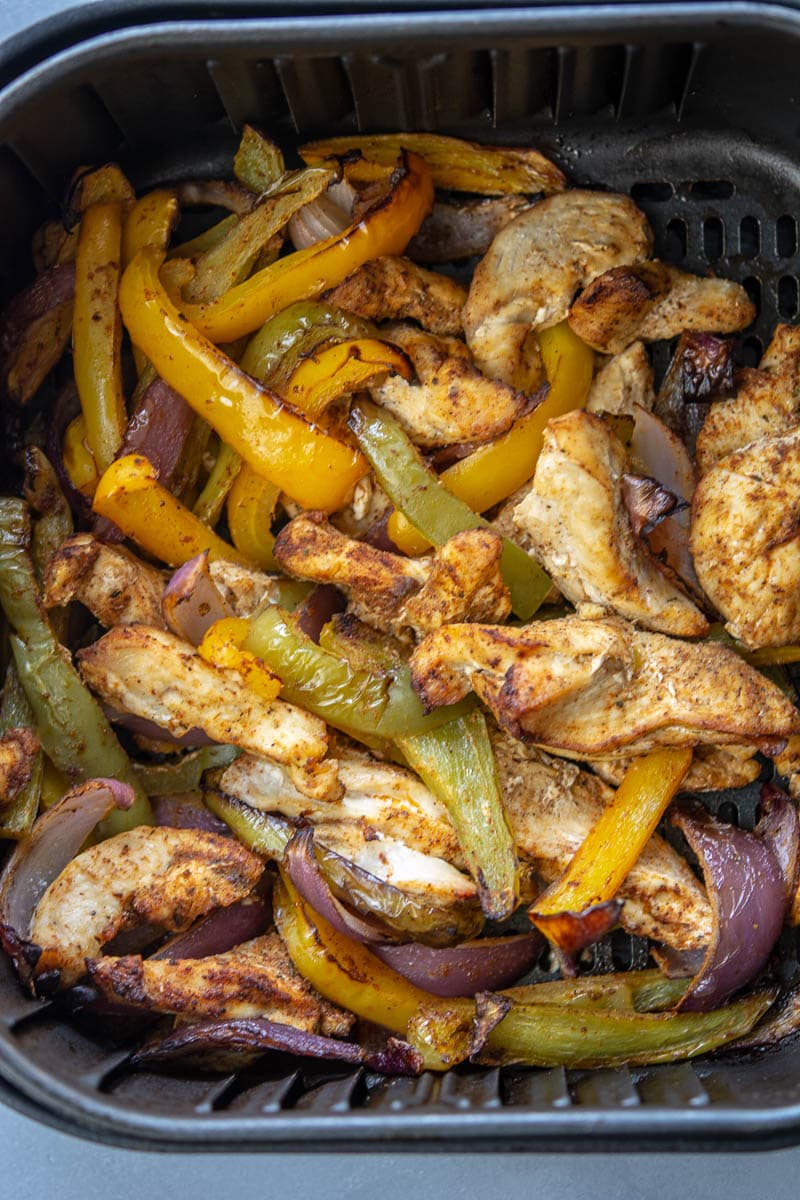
(78, 458)
(73, 731)
(260, 832)
(209, 504)
(275, 351)
(97, 330)
(18, 812)
(456, 165)
(258, 162)
(130, 495)
(495, 471)
(149, 223)
(384, 229)
(310, 466)
(635, 991)
(222, 646)
(250, 509)
(611, 849)
(43, 493)
(418, 494)
(338, 370)
(186, 773)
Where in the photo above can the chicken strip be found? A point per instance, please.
(18, 749)
(745, 540)
(576, 523)
(255, 979)
(452, 401)
(533, 268)
(460, 581)
(392, 289)
(652, 302)
(116, 587)
(601, 688)
(713, 768)
(462, 228)
(154, 674)
(766, 404)
(623, 382)
(244, 589)
(552, 805)
(162, 877)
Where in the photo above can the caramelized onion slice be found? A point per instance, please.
(304, 872)
(482, 965)
(192, 602)
(219, 931)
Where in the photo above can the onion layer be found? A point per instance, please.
(220, 931)
(192, 602)
(305, 874)
(483, 965)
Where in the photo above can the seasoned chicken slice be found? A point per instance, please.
(601, 688)
(154, 674)
(651, 302)
(244, 589)
(767, 403)
(460, 581)
(529, 276)
(623, 382)
(116, 587)
(713, 768)
(452, 401)
(551, 806)
(463, 228)
(255, 979)
(576, 523)
(162, 877)
(392, 289)
(18, 748)
(745, 540)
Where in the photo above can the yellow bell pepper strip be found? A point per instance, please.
(78, 458)
(314, 469)
(97, 331)
(251, 507)
(386, 229)
(613, 845)
(456, 165)
(103, 185)
(495, 471)
(341, 368)
(223, 645)
(130, 495)
(417, 493)
(273, 353)
(149, 223)
(54, 785)
(209, 504)
(70, 723)
(17, 817)
(258, 163)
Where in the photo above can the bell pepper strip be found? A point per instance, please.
(264, 833)
(456, 165)
(79, 461)
(632, 991)
(258, 163)
(314, 469)
(70, 723)
(251, 507)
(273, 353)
(130, 495)
(495, 471)
(339, 369)
(766, 656)
(17, 817)
(612, 847)
(97, 331)
(184, 774)
(103, 185)
(386, 228)
(39, 349)
(149, 223)
(417, 493)
(223, 646)
(206, 240)
(54, 785)
(43, 492)
(209, 504)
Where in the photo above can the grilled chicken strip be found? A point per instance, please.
(463, 228)
(745, 540)
(18, 748)
(162, 877)
(528, 278)
(713, 768)
(154, 674)
(460, 581)
(451, 402)
(601, 688)
(244, 589)
(116, 587)
(767, 403)
(255, 979)
(551, 806)
(576, 523)
(651, 302)
(623, 382)
(396, 289)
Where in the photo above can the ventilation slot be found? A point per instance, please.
(587, 81)
(317, 94)
(249, 92)
(785, 237)
(749, 237)
(787, 297)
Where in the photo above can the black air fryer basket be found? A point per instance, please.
(695, 110)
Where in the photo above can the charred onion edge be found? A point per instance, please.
(479, 965)
(306, 875)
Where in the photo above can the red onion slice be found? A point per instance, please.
(220, 931)
(483, 965)
(38, 859)
(249, 1034)
(145, 728)
(54, 286)
(779, 829)
(192, 602)
(748, 896)
(646, 500)
(186, 810)
(305, 874)
(322, 603)
(159, 429)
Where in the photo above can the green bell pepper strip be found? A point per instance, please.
(438, 514)
(70, 723)
(263, 833)
(17, 817)
(634, 991)
(209, 504)
(185, 775)
(258, 162)
(54, 525)
(273, 353)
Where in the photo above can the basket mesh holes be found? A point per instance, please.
(750, 237)
(713, 238)
(751, 352)
(711, 189)
(752, 285)
(675, 240)
(785, 236)
(787, 297)
(658, 191)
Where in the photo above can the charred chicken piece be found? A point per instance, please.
(713, 768)
(165, 878)
(601, 688)
(18, 748)
(461, 581)
(396, 289)
(116, 587)
(155, 675)
(623, 382)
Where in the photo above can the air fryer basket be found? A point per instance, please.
(692, 110)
